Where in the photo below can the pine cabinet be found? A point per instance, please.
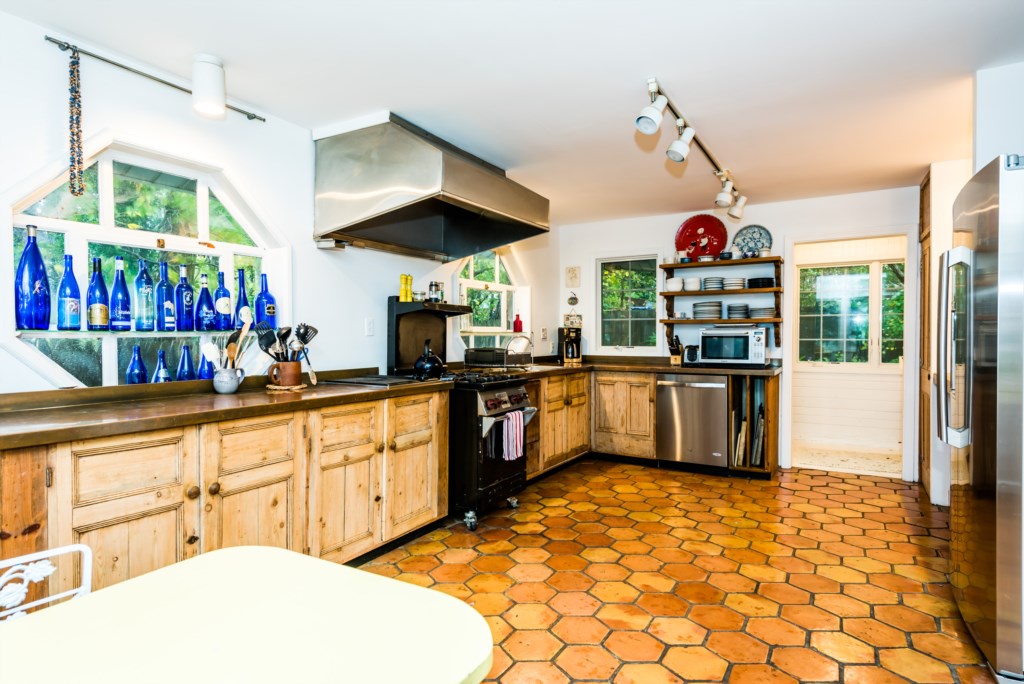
(565, 430)
(415, 492)
(624, 413)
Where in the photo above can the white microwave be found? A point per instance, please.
(741, 345)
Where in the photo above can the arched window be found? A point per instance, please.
(485, 284)
(141, 207)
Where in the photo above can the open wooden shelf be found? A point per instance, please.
(719, 321)
(725, 262)
(715, 293)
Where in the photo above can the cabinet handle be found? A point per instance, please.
(214, 489)
(393, 445)
(376, 499)
(380, 448)
(193, 492)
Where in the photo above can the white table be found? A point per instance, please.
(251, 614)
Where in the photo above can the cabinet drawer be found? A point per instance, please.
(554, 388)
(250, 442)
(577, 384)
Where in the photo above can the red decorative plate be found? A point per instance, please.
(701, 235)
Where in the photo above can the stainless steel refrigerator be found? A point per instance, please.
(981, 415)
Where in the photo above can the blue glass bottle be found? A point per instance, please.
(266, 305)
(206, 315)
(164, 301)
(206, 368)
(136, 373)
(186, 369)
(120, 300)
(222, 304)
(145, 311)
(97, 301)
(69, 299)
(31, 287)
(242, 303)
(184, 302)
(162, 372)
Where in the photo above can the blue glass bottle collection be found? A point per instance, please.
(31, 287)
(184, 302)
(69, 299)
(206, 369)
(222, 305)
(136, 373)
(162, 373)
(97, 301)
(186, 369)
(242, 303)
(164, 301)
(145, 312)
(206, 315)
(266, 305)
(120, 300)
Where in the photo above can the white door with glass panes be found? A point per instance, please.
(146, 208)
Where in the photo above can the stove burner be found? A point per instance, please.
(483, 378)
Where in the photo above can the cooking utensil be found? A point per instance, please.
(296, 348)
(232, 351)
(266, 338)
(312, 373)
(305, 333)
(212, 353)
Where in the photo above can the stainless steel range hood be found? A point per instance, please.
(395, 187)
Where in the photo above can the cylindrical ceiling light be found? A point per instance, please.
(650, 116)
(680, 148)
(724, 198)
(208, 93)
(736, 210)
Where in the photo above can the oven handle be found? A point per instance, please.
(528, 413)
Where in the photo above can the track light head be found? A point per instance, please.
(680, 148)
(736, 210)
(724, 198)
(650, 116)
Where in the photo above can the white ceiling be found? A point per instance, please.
(799, 98)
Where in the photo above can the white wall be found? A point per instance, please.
(884, 212)
(998, 104)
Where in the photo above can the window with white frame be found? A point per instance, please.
(629, 304)
(486, 286)
(141, 208)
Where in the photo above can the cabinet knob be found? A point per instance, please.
(192, 540)
(567, 402)
(376, 499)
(393, 445)
(214, 489)
(193, 492)
(380, 448)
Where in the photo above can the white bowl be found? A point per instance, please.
(691, 284)
(674, 284)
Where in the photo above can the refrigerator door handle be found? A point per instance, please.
(955, 336)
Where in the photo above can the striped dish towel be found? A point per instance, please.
(513, 435)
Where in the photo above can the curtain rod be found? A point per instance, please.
(64, 45)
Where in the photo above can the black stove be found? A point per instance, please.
(478, 380)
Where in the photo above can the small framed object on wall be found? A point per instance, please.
(572, 320)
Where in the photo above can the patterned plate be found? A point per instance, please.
(751, 238)
(702, 235)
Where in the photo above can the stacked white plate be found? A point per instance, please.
(735, 283)
(763, 312)
(738, 311)
(714, 283)
(707, 310)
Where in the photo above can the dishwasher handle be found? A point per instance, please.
(697, 385)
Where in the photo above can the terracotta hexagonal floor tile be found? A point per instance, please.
(641, 563)
(782, 592)
(695, 663)
(492, 563)
(667, 605)
(580, 630)
(651, 581)
(459, 591)
(841, 605)
(570, 581)
(876, 633)
(615, 592)
(776, 631)
(699, 592)
(869, 593)
(490, 583)
(947, 648)
(567, 563)
(530, 592)
(936, 606)
(624, 616)
(906, 619)
(973, 674)
(810, 617)
(634, 646)
(418, 564)
(842, 647)
(607, 571)
(645, 673)
(762, 573)
(759, 674)
(752, 605)
(452, 572)
(815, 583)
(870, 674)
(716, 617)
(530, 572)
(490, 604)
(915, 666)
(499, 663)
(534, 673)
(676, 631)
(532, 644)
(805, 664)
(587, 662)
(737, 647)
(575, 603)
(530, 616)
(420, 579)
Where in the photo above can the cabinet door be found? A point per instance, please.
(412, 463)
(133, 499)
(254, 472)
(624, 414)
(553, 443)
(345, 480)
(533, 429)
(577, 420)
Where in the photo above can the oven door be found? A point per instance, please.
(497, 477)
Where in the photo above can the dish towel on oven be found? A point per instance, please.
(513, 435)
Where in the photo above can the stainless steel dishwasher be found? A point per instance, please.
(692, 415)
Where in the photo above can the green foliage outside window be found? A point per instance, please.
(145, 199)
(629, 303)
(892, 311)
(834, 303)
(224, 227)
(61, 204)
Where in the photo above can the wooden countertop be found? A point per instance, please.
(541, 370)
(53, 424)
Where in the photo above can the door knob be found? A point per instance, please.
(380, 448)
(193, 492)
(214, 489)
(192, 540)
(567, 402)
(377, 498)
(393, 445)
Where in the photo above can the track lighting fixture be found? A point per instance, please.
(208, 86)
(680, 148)
(648, 123)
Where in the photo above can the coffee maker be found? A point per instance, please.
(570, 346)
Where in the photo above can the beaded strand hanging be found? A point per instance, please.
(76, 177)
